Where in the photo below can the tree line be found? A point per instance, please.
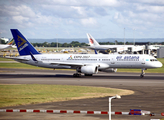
(78, 44)
(54, 44)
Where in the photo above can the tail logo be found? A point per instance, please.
(91, 41)
(21, 41)
(11, 42)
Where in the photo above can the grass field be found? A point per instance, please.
(13, 95)
(4, 59)
(19, 65)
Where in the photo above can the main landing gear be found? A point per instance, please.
(76, 75)
(142, 73)
(79, 75)
(88, 74)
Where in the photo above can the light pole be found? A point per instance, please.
(110, 98)
(57, 42)
(124, 36)
(134, 36)
(0, 37)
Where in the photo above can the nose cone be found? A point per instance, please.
(159, 64)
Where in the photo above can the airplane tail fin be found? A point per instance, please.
(23, 46)
(91, 40)
(11, 42)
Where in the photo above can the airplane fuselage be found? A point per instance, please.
(103, 61)
(5, 46)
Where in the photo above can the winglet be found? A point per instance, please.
(32, 56)
(96, 52)
(23, 46)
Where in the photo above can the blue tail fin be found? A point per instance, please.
(95, 52)
(23, 46)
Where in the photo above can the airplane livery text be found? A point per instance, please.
(127, 58)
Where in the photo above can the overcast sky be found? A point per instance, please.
(74, 18)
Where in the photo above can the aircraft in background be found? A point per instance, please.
(114, 48)
(87, 64)
(8, 45)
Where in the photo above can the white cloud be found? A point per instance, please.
(89, 22)
(149, 2)
(137, 20)
(22, 10)
(72, 15)
(80, 10)
(90, 3)
(142, 15)
(150, 8)
(20, 19)
(25, 11)
(103, 3)
(41, 19)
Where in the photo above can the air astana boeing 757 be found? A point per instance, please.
(87, 64)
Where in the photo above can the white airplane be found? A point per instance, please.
(115, 48)
(8, 45)
(87, 64)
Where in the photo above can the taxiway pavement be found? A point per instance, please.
(148, 94)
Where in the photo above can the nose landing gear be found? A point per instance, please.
(142, 72)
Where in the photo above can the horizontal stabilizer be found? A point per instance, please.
(17, 58)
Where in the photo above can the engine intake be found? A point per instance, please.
(88, 69)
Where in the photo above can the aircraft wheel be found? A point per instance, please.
(88, 74)
(76, 75)
(141, 76)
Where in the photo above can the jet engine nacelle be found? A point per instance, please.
(109, 70)
(88, 69)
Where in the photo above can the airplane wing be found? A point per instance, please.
(13, 46)
(2, 46)
(67, 64)
(74, 65)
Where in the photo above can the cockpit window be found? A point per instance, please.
(153, 60)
